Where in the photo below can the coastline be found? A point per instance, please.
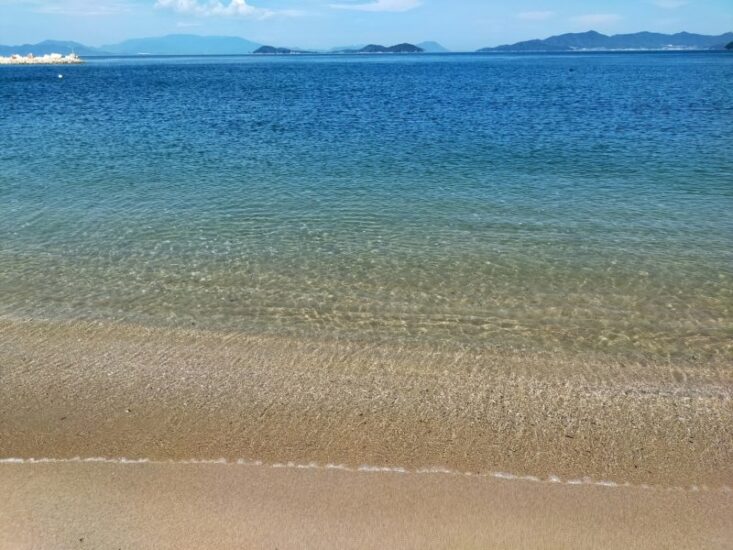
(419, 302)
(104, 390)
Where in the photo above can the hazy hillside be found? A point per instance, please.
(593, 40)
(184, 44)
(189, 44)
(51, 46)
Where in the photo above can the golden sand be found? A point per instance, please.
(181, 507)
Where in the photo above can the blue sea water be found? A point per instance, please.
(572, 202)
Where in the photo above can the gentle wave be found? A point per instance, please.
(552, 479)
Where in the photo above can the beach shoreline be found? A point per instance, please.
(104, 390)
(460, 301)
(248, 506)
(127, 436)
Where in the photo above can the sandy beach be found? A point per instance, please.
(467, 300)
(315, 444)
(121, 436)
(167, 506)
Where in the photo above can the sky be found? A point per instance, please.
(460, 25)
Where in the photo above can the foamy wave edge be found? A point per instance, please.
(366, 469)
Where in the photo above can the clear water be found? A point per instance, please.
(529, 201)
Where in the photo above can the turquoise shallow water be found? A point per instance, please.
(529, 201)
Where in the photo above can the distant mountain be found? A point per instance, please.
(399, 48)
(271, 50)
(183, 44)
(375, 48)
(432, 47)
(51, 46)
(593, 40)
(189, 44)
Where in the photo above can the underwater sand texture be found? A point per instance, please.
(95, 390)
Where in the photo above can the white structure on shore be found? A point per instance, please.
(48, 59)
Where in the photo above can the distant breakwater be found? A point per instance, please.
(49, 59)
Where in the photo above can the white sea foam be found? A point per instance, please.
(365, 468)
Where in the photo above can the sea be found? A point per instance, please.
(543, 202)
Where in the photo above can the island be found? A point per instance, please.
(376, 48)
(272, 50)
(49, 59)
(729, 47)
(595, 41)
(371, 48)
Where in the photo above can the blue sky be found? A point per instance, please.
(458, 24)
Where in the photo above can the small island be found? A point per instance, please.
(729, 47)
(371, 48)
(272, 50)
(375, 48)
(49, 59)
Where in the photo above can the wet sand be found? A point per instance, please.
(175, 506)
(91, 390)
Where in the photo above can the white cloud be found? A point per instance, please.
(232, 8)
(591, 19)
(669, 4)
(535, 15)
(381, 5)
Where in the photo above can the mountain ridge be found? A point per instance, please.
(183, 44)
(64, 47)
(192, 44)
(593, 40)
